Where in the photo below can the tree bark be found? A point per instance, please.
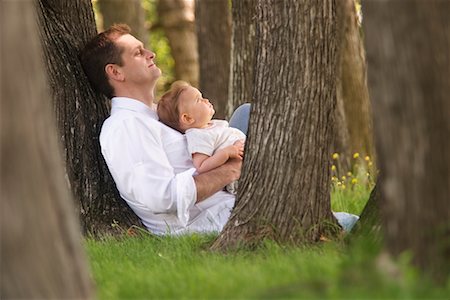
(284, 191)
(125, 11)
(408, 46)
(65, 27)
(41, 250)
(353, 94)
(177, 18)
(242, 54)
(213, 23)
(369, 226)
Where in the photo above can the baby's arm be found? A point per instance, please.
(204, 163)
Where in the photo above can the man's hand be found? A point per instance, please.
(211, 182)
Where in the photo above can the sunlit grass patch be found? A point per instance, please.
(350, 189)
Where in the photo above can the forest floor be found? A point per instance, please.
(150, 267)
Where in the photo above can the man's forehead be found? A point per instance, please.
(128, 41)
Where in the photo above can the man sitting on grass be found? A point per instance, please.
(148, 160)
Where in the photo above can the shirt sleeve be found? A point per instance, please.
(200, 141)
(137, 161)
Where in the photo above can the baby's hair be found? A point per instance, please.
(168, 112)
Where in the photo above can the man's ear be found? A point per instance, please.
(113, 72)
(186, 120)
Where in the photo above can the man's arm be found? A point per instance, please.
(215, 180)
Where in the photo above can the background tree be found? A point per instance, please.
(213, 23)
(41, 252)
(242, 54)
(65, 27)
(129, 12)
(285, 186)
(177, 18)
(408, 46)
(353, 113)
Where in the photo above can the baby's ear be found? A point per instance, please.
(186, 120)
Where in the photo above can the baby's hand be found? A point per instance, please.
(235, 150)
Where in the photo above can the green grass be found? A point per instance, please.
(150, 267)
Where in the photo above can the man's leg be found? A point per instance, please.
(240, 118)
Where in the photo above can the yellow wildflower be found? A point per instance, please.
(343, 177)
(369, 164)
(335, 156)
(333, 168)
(367, 158)
(343, 186)
(356, 155)
(354, 181)
(349, 174)
(334, 178)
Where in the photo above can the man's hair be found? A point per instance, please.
(99, 52)
(168, 111)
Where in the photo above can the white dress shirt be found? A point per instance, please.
(153, 172)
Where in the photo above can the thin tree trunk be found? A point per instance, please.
(129, 12)
(41, 252)
(213, 23)
(285, 186)
(353, 94)
(65, 27)
(242, 54)
(177, 18)
(408, 46)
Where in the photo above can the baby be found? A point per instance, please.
(210, 142)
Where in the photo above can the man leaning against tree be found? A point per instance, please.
(148, 160)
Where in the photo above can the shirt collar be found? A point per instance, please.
(119, 103)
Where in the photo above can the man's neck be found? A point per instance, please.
(145, 96)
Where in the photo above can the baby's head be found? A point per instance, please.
(183, 107)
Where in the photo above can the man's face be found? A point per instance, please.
(138, 65)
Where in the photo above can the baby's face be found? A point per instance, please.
(197, 107)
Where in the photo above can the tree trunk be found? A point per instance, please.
(369, 226)
(213, 22)
(242, 54)
(177, 18)
(408, 46)
(41, 250)
(65, 27)
(124, 11)
(285, 186)
(353, 94)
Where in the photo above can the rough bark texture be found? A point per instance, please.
(213, 23)
(79, 114)
(177, 17)
(352, 92)
(408, 46)
(369, 225)
(41, 252)
(242, 54)
(284, 191)
(124, 11)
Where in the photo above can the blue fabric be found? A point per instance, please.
(346, 220)
(241, 117)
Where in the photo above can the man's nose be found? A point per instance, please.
(150, 54)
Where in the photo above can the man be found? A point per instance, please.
(149, 161)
